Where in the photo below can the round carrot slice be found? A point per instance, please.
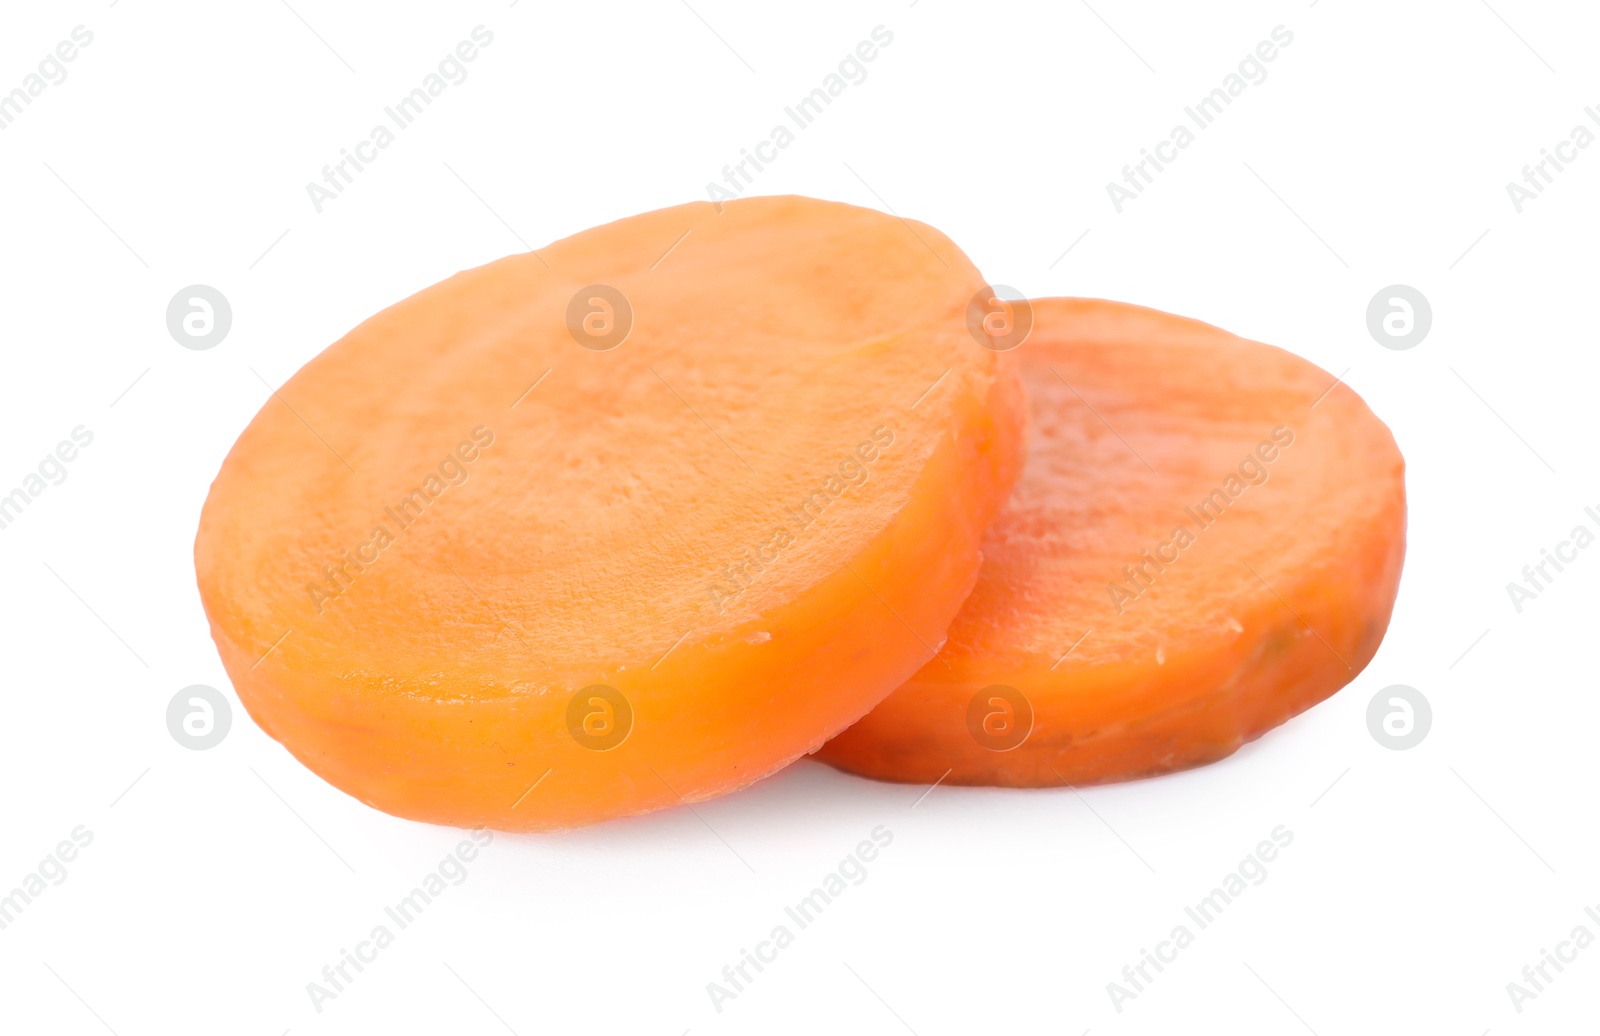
(1206, 540)
(631, 520)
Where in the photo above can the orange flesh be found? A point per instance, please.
(1278, 596)
(638, 520)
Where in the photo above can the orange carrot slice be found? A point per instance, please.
(630, 521)
(1206, 540)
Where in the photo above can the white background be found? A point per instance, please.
(220, 882)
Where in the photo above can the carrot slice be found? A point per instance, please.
(1206, 541)
(630, 521)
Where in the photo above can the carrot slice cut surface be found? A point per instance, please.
(630, 521)
(1206, 540)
